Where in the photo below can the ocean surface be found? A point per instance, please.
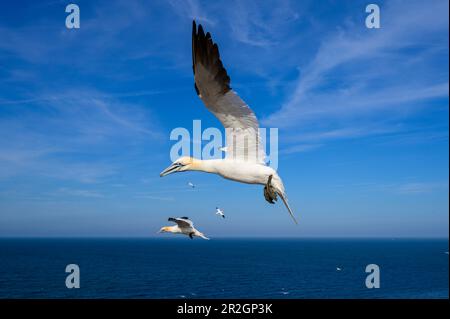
(223, 268)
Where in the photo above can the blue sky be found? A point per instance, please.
(85, 117)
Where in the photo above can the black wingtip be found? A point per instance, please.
(201, 32)
(206, 52)
(184, 217)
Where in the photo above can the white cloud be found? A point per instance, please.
(79, 193)
(362, 78)
(419, 188)
(300, 148)
(55, 132)
(191, 9)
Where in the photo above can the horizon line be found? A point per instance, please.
(232, 237)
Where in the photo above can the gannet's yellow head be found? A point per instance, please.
(165, 229)
(182, 164)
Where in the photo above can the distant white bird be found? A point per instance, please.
(338, 269)
(284, 292)
(245, 158)
(191, 185)
(183, 226)
(220, 212)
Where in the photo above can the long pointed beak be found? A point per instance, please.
(169, 170)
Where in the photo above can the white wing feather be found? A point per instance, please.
(212, 85)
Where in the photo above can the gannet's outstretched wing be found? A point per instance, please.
(212, 85)
(182, 222)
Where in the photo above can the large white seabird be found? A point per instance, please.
(183, 226)
(244, 160)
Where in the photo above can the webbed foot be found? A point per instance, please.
(269, 193)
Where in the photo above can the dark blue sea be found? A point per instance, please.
(223, 268)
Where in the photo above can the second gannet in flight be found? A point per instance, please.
(183, 226)
(220, 212)
(245, 158)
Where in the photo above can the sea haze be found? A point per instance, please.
(224, 268)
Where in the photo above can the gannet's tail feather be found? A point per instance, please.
(285, 201)
(199, 234)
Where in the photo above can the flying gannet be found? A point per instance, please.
(220, 212)
(183, 226)
(245, 157)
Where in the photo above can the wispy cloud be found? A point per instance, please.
(344, 132)
(79, 193)
(359, 77)
(420, 188)
(398, 188)
(46, 42)
(300, 148)
(55, 132)
(192, 9)
(253, 25)
(158, 198)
